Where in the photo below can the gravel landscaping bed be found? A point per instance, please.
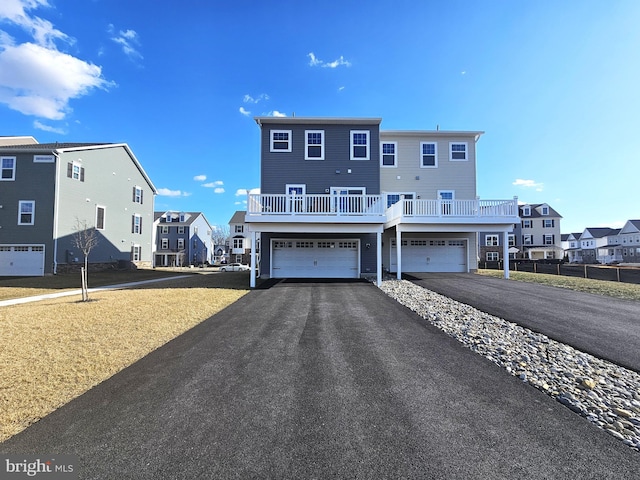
(602, 392)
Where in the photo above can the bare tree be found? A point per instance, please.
(220, 235)
(85, 238)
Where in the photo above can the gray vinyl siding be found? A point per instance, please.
(281, 168)
(459, 176)
(368, 256)
(109, 178)
(33, 181)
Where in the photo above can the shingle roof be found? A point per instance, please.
(51, 146)
(238, 217)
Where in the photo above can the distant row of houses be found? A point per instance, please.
(604, 245)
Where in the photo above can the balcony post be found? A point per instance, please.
(252, 281)
(505, 254)
(399, 252)
(379, 258)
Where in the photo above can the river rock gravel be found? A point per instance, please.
(602, 392)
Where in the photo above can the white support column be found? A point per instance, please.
(399, 252)
(252, 282)
(379, 248)
(505, 254)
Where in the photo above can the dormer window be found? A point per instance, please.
(526, 211)
(182, 217)
(168, 217)
(545, 210)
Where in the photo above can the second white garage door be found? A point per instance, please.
(315, 258)
(21, 260)
(430, 255)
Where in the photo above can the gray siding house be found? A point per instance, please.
(341, 198)
(48, 190)
(181, 239)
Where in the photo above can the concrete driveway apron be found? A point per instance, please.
(605, 327)
(321, 380)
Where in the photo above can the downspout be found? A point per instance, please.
(56, 201)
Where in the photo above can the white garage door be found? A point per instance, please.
(430, 255)
(21, 260)
(315, 258)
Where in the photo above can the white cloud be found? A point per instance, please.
(47, 128)
(250, 99)
(241, 191)
(165, 192)
(218, 190)
(340, 89)
(217, 183)
(244, 112)
(128, 40)
(519, 182)
(200, 178)
(276, 113)
(316, 62)
(35, 77)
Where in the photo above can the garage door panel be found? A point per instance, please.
(431, 255)
(315, 258)
(21, 260)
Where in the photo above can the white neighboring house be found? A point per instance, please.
(239, 242)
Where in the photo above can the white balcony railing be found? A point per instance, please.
(453, 208)
(319, 205)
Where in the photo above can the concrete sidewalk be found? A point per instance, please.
(69, 293)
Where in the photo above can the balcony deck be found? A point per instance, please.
(313, 208)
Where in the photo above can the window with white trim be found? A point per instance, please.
(359, 144)
(26, 212)
(8, 171)
(548, 239)
(428, 155)
(136, 224)
(280, 140)
(527, 239)
(239, 229)
(512, 240)
(492, 256)
(181, 230)
(238, 243)
(458, 151)
(164, 229)
(181, 244)
(547, 223)
(137, 194)
(164, 244)
(314, 145)
(526, 211)
(136, 253)
(100, 217)
(388, 154)
(491, 240)
(526, 223)
(75, 171)
(545, 210)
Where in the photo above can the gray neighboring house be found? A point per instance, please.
(46, 190)
(181, 239)
(239, 242)
(340, 198)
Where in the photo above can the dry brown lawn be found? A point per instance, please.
(54, 350)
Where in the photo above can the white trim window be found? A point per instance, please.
(359, 144)
(8, 171)
(493, 256)
(137, 194)
(526, 211)
(388, 154)
(181, 244)
(548, 239)
(458, 151)
(526, 224)
(314, 144)
(547, 223)
(136, 224)
(164, 229)
(238, 243)
(545, 210)
(512, 240)
(428, 155)
(164, 243)
(26, 212)
(181, 230)
(75, 171)
(101, 213)
(136, 253)
(280, 140)
(491, 241)
(239, 228)
(527, 239)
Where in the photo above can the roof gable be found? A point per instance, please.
(632, 226)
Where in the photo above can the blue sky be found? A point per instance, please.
(555, 86)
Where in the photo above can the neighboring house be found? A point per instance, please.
(239, 242)
(536, 237)
(25, 140)
(593, 241)
(572, 251)
(48, 190)
(629, 239)
(341, 198)
(220, 254)
(181, 239)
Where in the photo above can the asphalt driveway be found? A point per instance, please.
(322, 380)
(605, 327)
